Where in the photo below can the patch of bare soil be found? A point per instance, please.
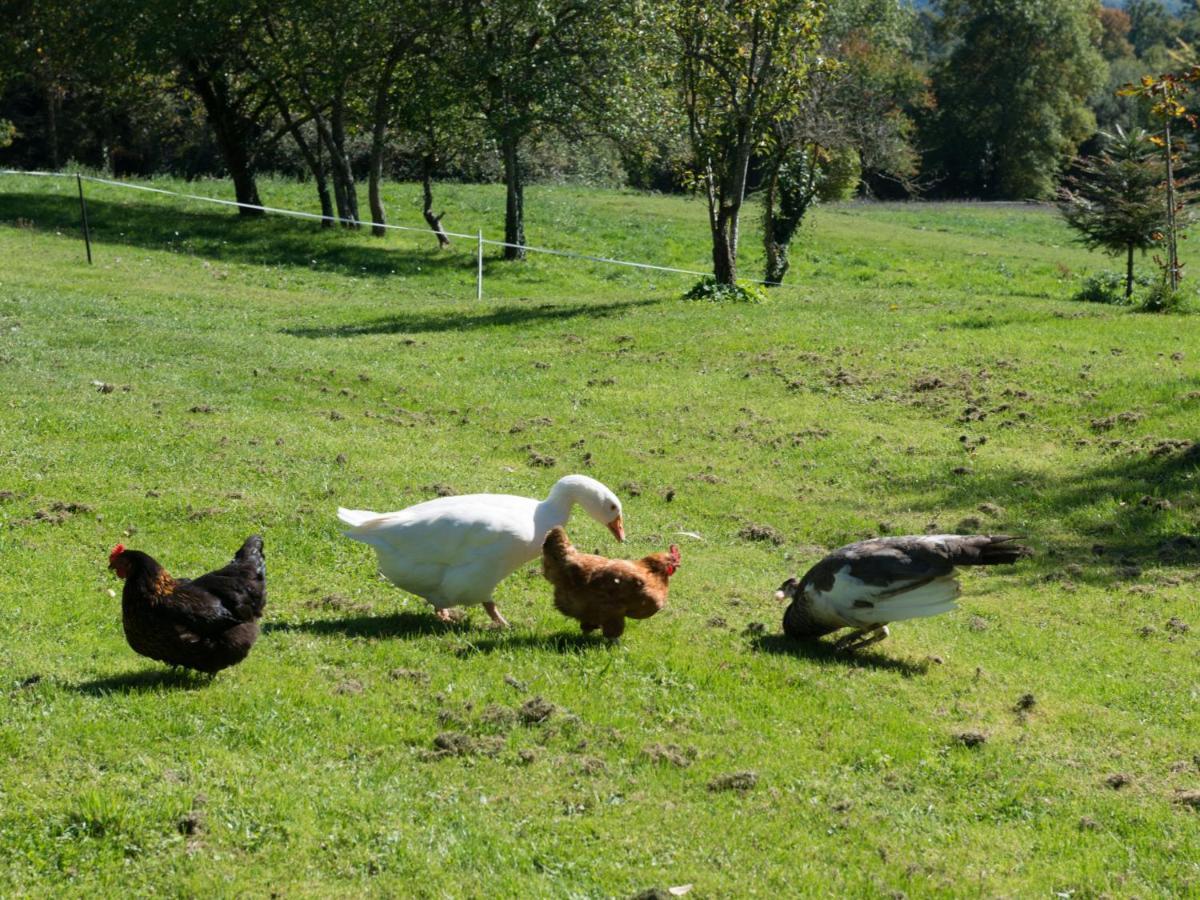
(338, 603)
(498, 717)
(971, 738)
(927, 383)
(536, 711)
(1188, 798)
(682, 757)
(755, 532)
(734, 781)
(455, 743)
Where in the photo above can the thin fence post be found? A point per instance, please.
(87, 238)
(479, 270)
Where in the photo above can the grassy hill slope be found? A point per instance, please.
(924, 370)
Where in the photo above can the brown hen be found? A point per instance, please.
(601, 592)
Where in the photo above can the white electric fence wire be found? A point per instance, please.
(567, 254)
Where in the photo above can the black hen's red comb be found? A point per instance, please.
(116, 551)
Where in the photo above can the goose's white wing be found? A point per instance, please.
(452, 550)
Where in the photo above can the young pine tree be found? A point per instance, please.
(1117, 200)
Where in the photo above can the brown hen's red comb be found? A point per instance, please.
(116, 551)
(674, 551)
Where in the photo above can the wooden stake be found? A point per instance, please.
(87, 238)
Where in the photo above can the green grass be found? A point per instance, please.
(339, 369)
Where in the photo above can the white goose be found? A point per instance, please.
(453, 551)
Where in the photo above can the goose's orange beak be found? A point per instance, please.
(617, 527)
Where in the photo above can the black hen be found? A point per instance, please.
(208, 623)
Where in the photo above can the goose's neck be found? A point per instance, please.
(555, 509)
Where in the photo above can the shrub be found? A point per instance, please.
(709, 289)
(1160, 298)
(1103, 287)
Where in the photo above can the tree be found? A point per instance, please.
(1167, 93)
(852, 119)
(527, 65)
(1117, 199)
(1150, 25)
(1012, 93)
(738, 67)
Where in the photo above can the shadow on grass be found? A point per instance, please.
(144, 681)
(1142, 490)
(510, 314)
(396, 625)
(222, 235)
(822, 652)
(561, 642)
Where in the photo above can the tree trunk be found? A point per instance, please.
(335, 172)
(514, 201)
(434, 222)
(776, 256)
(316, 165)
(341, 161)
(312, 156)
(791, 191)
(379, 121)
(232, 134)
(1172, 246)
(52, 126)
(724, 250)
(1129, 273)
(374, 178)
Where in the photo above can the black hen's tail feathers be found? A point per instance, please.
(252, 551)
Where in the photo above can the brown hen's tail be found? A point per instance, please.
(557, 544)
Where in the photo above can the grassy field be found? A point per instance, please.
(925, 370)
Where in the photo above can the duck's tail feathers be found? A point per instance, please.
(988, 550)
(356, 517)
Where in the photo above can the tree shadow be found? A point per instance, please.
(144, 681)
(1147, 483)
(511, 314)
(822, 653)
(225, 236)
(396, 625)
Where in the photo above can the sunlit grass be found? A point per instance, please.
(265, 372)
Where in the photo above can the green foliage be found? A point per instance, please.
(715, 292)
(1011, 95)
(1162, 299)
(738, 69)
(842, 171)
(1117, 200)
(1150, 26)
(1104, 287)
